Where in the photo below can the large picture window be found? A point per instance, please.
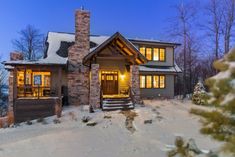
(154, 54)
(33, 83)
(152, 81)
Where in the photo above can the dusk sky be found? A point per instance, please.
(133, 18)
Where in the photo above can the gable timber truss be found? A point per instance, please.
(120, 48)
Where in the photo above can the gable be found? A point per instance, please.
(118, 46)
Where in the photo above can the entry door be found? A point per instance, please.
(109, 82)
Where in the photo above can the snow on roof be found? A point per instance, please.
(174, 69)
(152, 41)
(54, 40)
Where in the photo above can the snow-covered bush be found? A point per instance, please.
(199, 94)
(220, 123)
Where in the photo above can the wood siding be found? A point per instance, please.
(29, 109)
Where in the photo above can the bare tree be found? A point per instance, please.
(181, 29)
(30, 43)
(213, 25)
(228, 22)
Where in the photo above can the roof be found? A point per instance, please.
(55, 40)
(167, 69)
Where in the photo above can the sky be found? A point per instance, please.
(146, 19)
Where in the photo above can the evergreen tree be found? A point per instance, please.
(199, 94)
(220, 123)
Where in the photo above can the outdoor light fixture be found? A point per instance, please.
(122, 77)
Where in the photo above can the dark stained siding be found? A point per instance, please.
(29, 109)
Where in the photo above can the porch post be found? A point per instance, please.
(94, 99)
(12, 95)
(135, 83)
(58, 104)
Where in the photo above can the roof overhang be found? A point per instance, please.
(121, 44)
(153, 42)
(30, 63)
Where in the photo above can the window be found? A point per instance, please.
(154, 54)
(162, 54)
(33, 84)
(142, 51)
(149, 53)
(152, 81)
(155, 81)
(162, 81)
(142, 81)
(149, 81)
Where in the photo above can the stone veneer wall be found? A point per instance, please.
(135, 83)
(94, 86)
(78, 74)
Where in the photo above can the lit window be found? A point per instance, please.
(33, 84)
(156, 54)
(162, 54)
(142, 51)
(142, 81)
(162, 81)
(155, 81)
(149, 53)
(152, 81)
(149, 81)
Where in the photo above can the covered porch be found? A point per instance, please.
(114, 73)
(36, 91)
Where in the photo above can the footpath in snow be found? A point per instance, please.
(116, 134)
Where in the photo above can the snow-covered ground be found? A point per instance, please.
(109, 137)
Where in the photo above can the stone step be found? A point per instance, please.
(118, 108)
(117, 99)
(116, 102)
(118, 105)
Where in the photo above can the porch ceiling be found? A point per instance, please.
(120, 47)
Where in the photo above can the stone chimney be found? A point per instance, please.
(15, 56)
(78, 74)
(82, 36)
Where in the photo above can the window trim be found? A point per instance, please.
(152, 81)
(152, 53)
(32, 86)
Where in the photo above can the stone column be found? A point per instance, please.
(135, 83)
(94, 87)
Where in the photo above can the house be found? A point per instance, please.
(80, 69)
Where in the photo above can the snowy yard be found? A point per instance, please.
(109, 137)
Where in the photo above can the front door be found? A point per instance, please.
(109, 82)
